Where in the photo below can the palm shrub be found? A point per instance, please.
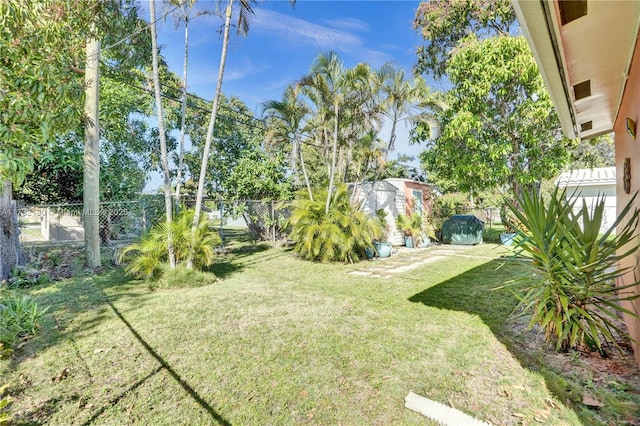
(572, 293)
(410, 226)
(342, 234)
(148, 258)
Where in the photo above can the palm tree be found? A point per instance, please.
(184, 13)
(244, 14)
(285, 121)
(404, 100)
(161, 130)
(333, 88)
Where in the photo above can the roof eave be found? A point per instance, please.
(535, 22)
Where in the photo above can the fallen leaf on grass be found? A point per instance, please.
(520, 415)
(505, 393)
(63, 375)
(591, 401)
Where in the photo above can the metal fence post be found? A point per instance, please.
(273, 223)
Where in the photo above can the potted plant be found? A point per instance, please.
(411, 227)
(428, 231)
(509, 222)
(381, 247)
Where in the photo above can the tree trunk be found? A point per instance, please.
(163, 140)
(10, 254)
(304, 170)
(91, 179)
(184, 108)
(212, 123)
(332, 171)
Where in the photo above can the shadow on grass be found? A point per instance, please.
(472, 292)
(241, 257)
(67, 299)
(163, 366)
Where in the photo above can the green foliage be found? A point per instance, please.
(237, 135)
(594, 152)
(148, 258)
(410, 225)
(5, 417)
(258, 176)
(500, 128)
(20, 278)
(572, 294)
(182, 277)
(342, 234)
(443, 23)
(19, 317)
(39, 89)
(446, 205)
(43, 51)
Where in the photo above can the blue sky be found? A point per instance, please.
(283, 41)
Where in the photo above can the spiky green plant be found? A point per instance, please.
(19, 317)
(342, 234)
(147, 259)
(572, 293)
(410, 225)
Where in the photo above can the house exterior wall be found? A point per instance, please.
(627, 147)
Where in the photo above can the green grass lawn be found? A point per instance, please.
(276, 340)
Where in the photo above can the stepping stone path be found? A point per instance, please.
(405, 259)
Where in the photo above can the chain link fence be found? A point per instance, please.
(125, 221)
(266, 220)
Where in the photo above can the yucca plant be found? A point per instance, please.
(572, 294)
(341, 235)
(148, 258)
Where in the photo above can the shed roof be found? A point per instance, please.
(588, 177)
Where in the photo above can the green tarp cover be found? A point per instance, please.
(462, 229)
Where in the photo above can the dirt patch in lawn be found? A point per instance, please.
(602, 388)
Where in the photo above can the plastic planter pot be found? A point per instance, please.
(408, 241)
(383, 249)
(370, 252)
(506, 238)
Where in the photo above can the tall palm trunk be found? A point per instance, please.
(163, 139)
(212, 122)
(304, 169)
(184, 109)
(332, 171)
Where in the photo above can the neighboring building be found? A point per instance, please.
(588, 56)
(590, 185)
(394, 196)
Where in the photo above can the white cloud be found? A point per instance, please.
(348, 24)
(293, 28)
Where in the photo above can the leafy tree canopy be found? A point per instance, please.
(500, 128)
(127, 144)
(443, 23)
(238, 166)
(592, 153)
(42, 47)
